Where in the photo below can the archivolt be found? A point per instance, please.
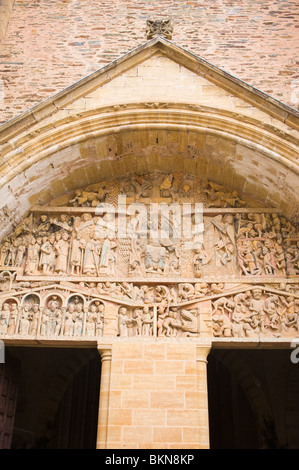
(40, 142)
(247, 155)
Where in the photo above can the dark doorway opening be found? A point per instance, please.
(58, 398)
(253, 399)
(9, 384)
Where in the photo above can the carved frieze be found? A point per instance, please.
(86, 311)
(50, 313)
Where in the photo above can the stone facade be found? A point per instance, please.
(72, 271)
(153, 305)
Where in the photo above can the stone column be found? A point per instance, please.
(106, 353)
(202, 352)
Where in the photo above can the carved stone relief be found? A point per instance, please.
(159, 28)
(256, 311)
(50, 313)
(135, 322)
(64, 265)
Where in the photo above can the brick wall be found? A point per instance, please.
(49, 44)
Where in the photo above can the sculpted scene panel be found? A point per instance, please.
(152, 226)
(43, 315)
(154, 246)
(257, 311)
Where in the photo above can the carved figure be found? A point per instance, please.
(52, 318)
(138, 187)
(76, 257)
(4, 318)
(34, 319)
(222, 325)
(164, 294)
(257, 307)
(69, 320)
(33, 252)
(91, 320)
(47, 256)
(100, 318)
(62, 250)
(13, 319)
(155, 258)
(25, 319)
(166, 186)
(185, 292)
(200, 259)
(137, 318)
(20, 251)
(4, 253)
(78, 318)
(219, 197)
(107, 258)
(42, 227)
(85, 198)
(168, 323)
(62, 223)
(223, 305)
(147, 322)
(189, 321)
(91, 256)
(123, 321)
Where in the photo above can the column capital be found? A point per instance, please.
(105, 351)
(203, 350)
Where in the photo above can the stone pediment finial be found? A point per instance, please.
(159, 28)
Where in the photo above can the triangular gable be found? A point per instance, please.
(157, 71)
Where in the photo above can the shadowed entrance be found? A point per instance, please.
(252, 400)
(57, 399)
